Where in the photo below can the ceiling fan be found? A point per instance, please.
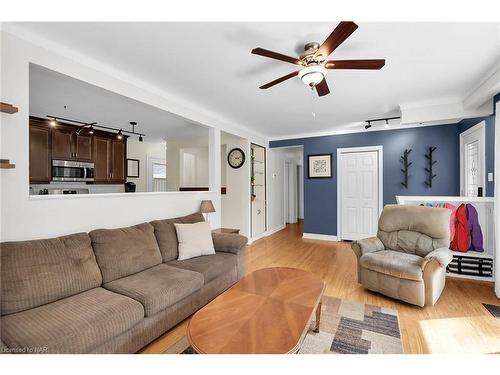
(313, 60)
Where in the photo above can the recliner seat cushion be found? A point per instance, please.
(166, 235)
(393, 263)
(124, 251)
(37, 272)
(210, 266)
(75, 324)
(158, 287)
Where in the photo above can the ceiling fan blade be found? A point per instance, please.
(276, 55)
(341, 33)
(279, 80)
(373, 64)
(322, 88)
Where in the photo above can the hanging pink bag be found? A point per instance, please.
(453, 210)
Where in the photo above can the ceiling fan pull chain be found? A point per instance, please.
(313, 102)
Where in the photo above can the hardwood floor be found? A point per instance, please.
(457, 323)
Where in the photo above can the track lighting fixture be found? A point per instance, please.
(53, 121)
(386, 119)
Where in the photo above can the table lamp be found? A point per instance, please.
(206, 208)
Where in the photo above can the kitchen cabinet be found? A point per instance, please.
(109, 160)
(67, 145)
(39, 154)
(48, 143)
(102, 155)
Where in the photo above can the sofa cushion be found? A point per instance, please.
(124, 251)
(76, 324)
(158, 287)
(210, 266)
(166, 234)
(393, 263)
(37, 272)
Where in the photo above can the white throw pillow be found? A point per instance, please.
(194, 240)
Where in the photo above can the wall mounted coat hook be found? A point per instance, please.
(431, 162)
(406, 166)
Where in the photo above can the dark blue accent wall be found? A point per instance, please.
(320, 195)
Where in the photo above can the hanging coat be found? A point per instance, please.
(453, 210)
(475, 232)
(461, 241)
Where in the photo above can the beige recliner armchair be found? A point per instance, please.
(408, 258)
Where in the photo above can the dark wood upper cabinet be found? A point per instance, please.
(62, 144)
(109, 160)
(118, 152)
(67, 145)
(102, 156)
(40, 158)
(83, 147)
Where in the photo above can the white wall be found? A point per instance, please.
(194, 167)
(141, 151)
(40, 217)
(175, 175)
(235, 204)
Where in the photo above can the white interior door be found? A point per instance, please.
(359, 198)
(472, 161)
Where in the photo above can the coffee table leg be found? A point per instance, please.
(318, 317)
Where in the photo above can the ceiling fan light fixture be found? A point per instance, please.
(313, 74)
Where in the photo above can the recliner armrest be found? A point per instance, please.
(228, 242)
(442, 255)
(367, 245)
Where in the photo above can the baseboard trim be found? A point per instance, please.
(272, 231)
(266, 234)
(317, 236)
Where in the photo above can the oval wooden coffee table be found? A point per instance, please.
(267, 312)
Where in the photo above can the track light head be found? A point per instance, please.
(119, 135)
(91, 130)
(368, 126)
(53, 122)
(140, 138)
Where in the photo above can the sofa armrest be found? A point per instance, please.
(235, 244)
(367, 245)
(228, 242)
(442, 255)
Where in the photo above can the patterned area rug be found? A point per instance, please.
(493, 309)
(346, 327)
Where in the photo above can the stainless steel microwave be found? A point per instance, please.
(72, 171)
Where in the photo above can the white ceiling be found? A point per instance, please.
(210, 64)
(50, 92)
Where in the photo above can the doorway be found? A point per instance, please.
(473, 161)
(359, 191)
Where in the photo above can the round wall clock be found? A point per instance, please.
(236, 158)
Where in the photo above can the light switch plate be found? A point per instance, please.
(490, 176)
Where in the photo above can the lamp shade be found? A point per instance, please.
(207, 207)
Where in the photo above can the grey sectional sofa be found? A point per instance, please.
(108, 291)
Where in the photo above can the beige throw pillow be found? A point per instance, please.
(194, 240)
